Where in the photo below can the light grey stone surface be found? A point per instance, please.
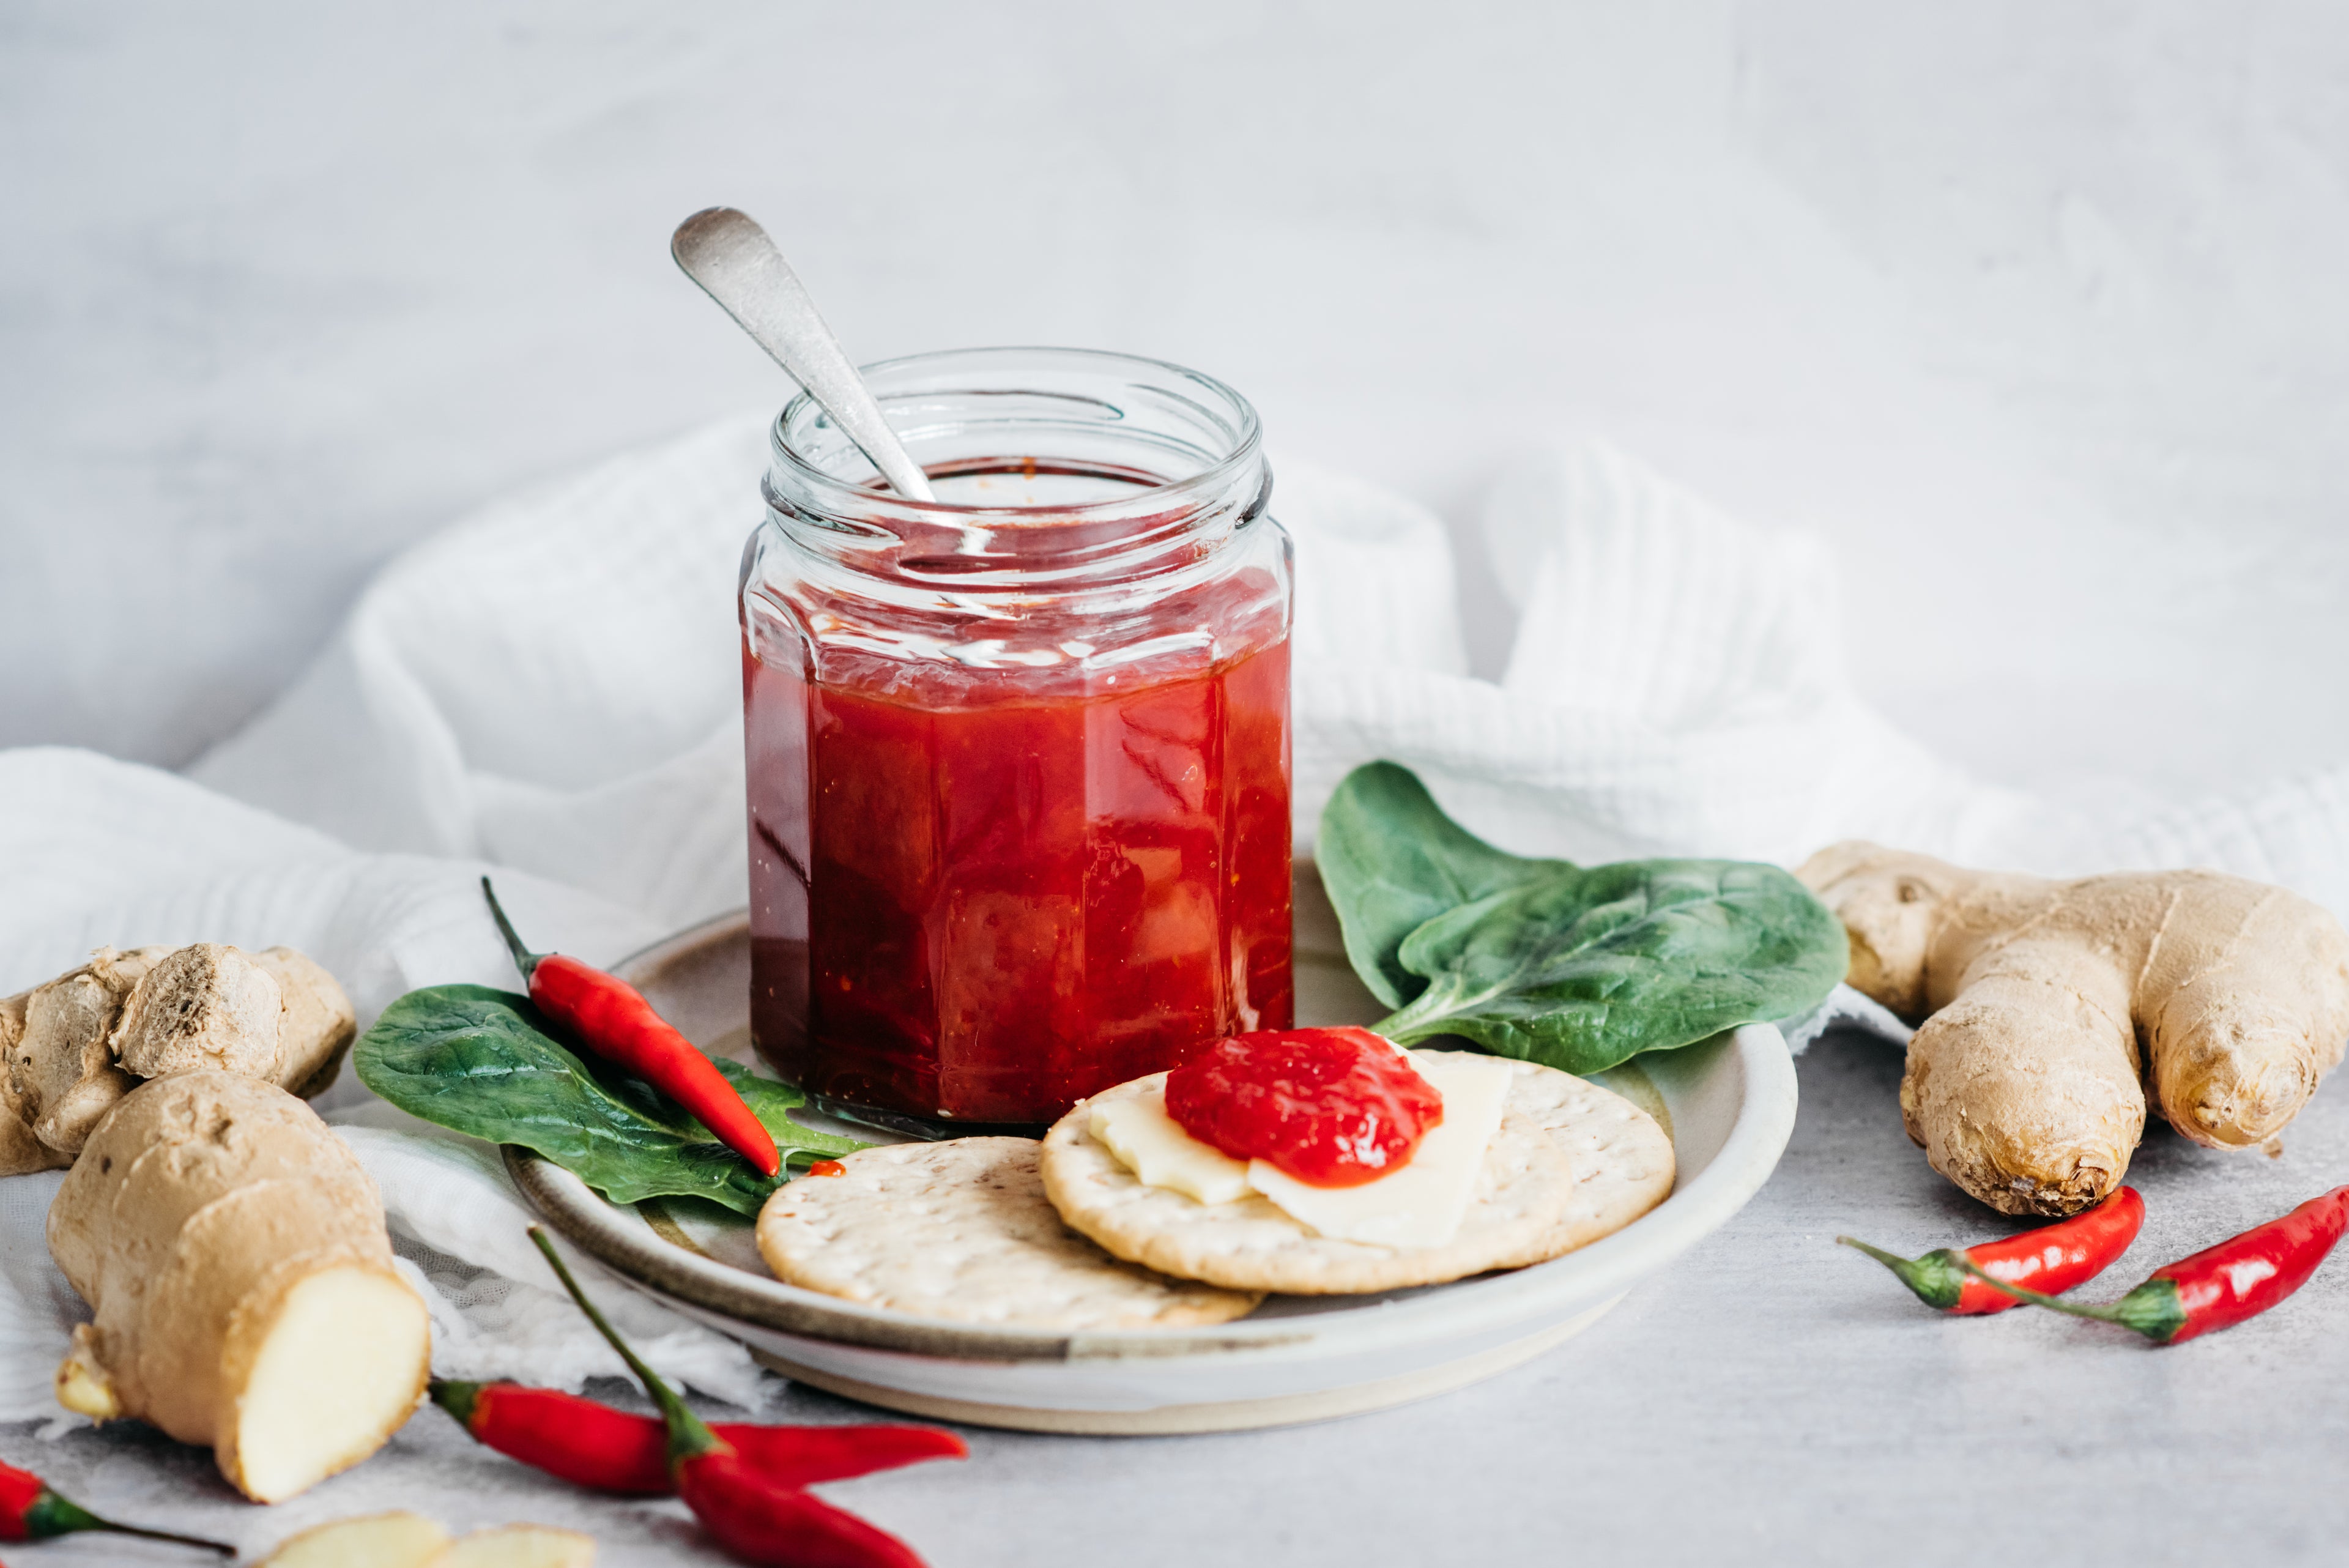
(1770, 1399)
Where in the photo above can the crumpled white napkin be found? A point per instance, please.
(552, 688)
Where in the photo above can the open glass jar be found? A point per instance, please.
(1019, 759)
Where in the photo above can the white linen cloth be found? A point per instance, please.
(552, 688)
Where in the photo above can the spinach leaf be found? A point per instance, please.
(1576, 968)
(1392, 861)
(481, 1062)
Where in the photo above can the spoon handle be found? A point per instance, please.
(738, 266)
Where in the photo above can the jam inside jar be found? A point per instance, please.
(1019, 760)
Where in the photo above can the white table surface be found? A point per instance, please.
(1771, 1398)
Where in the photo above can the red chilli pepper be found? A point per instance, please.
(29, 1510)
(2222, 1285)
(2052, 1259)
(592, 1445)
(612, 1018)
(749, 1514)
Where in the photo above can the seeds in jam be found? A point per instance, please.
(1332, 1107)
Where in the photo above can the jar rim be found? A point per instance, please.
(1246, 446)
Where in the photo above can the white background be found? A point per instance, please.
(2038, 313)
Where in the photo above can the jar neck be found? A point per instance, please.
(1057, 471)
(1017, 553)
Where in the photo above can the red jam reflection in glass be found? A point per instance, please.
(983, 894)
(1331, 1107)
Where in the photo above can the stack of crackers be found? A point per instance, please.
(1059, 1233)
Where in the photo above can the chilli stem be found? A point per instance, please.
(1892, 1261)
(222, 1547)
(663, 1394)
(2101, 1313)
(524, 959)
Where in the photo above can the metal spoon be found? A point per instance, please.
(738, 266)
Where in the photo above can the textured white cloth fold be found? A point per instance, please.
(552, 688)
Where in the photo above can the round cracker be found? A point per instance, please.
(961, 1229)
(1523, 1196)
(1622, 1159)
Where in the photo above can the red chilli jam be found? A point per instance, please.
(1018, 757)
(1332, 1107)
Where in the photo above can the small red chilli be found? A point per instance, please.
(592, 1445)
(2052, 1259)
(2219, 1286)
(611, 1018)
(31, 1510)
(753, 1517)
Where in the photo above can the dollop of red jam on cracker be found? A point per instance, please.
(1332, 1107)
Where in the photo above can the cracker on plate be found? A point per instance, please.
(1622, 1159)
(962, 1230)
(1525, 1201)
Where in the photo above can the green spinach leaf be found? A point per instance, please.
(481, 1062)
(1392, 861)
(1572, 967)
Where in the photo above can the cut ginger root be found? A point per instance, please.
(235, 1253)
(2052, 1012)
(412, 1541)
(520, 1546)
(372, 1541)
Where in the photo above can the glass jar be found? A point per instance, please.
(1019, 760)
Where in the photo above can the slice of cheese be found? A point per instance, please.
(1421, 1205)
(1154, 1146)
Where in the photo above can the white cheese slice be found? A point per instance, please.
(1421, 1204)
(1153, 1145)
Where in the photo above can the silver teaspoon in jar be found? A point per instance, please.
(738, 266)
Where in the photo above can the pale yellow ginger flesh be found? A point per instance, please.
(374, 1541)
(2052, 1012)
(520, 1546)
(233, 1251)
(76, 1045)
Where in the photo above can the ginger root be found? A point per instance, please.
(234, 1252)
(20, 1152)
(411, 1541)
(62, 1074)
(316, 1026)
(520, 1546)
(205, 1005)
(76, 1045)
(2049, 1010)
(371, 1541)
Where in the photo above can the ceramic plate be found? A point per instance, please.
(1728, 1103)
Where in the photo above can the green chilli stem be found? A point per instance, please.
(686, 1435)
(524, 959)
(2100, 1313)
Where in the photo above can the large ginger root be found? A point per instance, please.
(235, 1253)
(62, 1074)
(76, 1045)
(2050, 1008)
